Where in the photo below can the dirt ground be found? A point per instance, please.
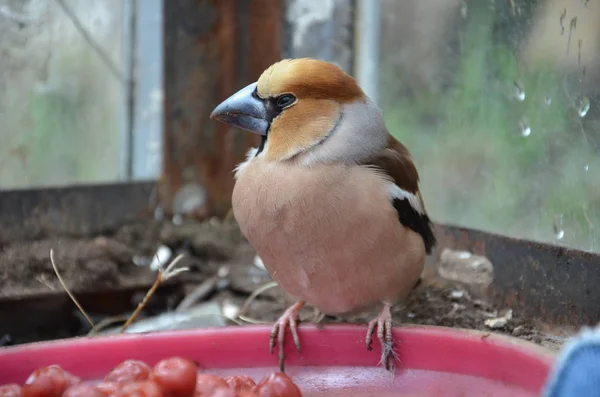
(120, 259)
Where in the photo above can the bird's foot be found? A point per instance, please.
(384, 332)
(291, 318)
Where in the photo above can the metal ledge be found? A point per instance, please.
(73, 211)
(555, 285)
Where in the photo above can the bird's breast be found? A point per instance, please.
(327, 234)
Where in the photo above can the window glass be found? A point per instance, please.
(499, 103)
(61, 107)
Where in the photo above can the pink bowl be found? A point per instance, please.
(434, 361)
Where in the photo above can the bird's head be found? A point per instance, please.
(308, 110)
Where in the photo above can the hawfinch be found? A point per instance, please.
(329, 200)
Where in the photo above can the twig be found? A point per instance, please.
(111, 320)
(199, 293)
(90, 40)
(60, 279)
(42, 280)
(106, 322)
(317, 316)
(258, 291)
(163, 275)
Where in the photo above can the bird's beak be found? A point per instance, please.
(244, 110)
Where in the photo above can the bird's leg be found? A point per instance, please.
(291, 318)
(384, 332)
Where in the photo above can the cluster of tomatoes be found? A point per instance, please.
(172, 377)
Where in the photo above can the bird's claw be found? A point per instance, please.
(383, 322)
(290, 318)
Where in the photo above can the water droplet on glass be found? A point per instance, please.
(583, 106)
(463, 10)
(519, 92)
(547, 100)
(559, 232)
(524, 128)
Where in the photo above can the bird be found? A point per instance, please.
(329, 199)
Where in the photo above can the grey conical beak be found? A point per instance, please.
(244, 110)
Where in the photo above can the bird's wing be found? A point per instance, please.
(396, 162)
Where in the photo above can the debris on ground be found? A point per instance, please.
(224, 272)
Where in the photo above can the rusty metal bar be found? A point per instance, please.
(552, 284)
(212, 48)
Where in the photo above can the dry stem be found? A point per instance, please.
(163, 275)
(62, 282)
(258, 291)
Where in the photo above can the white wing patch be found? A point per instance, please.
(249, 156)
(413, 200)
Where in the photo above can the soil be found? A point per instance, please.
(433, 305)
(109, 261)
(120, 259)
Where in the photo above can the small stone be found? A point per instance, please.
(161, 258)
(496, 323)
(480, 304)
(259, 263)
(464, 267)
(456, 294)
(230, 309)
(140, 260)
(499, 322)
(518, 330)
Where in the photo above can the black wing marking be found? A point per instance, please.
(412, 219)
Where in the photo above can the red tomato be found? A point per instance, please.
(206, 384)
(82, 390)
(11, 390)
(49, 381)
(277, 384)
(107, 388)
(223, 392)
(176, 376)
(139, 389)
(129, 371)
(240, 383)
(247, 393)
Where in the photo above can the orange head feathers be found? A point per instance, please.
(298, 105)
(308, 79)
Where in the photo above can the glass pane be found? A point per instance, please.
(61, 106)
(498, 102)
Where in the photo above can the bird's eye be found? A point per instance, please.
(285, 100)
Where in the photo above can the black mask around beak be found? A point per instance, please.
(244, 110)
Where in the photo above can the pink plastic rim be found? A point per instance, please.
(508, 360)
